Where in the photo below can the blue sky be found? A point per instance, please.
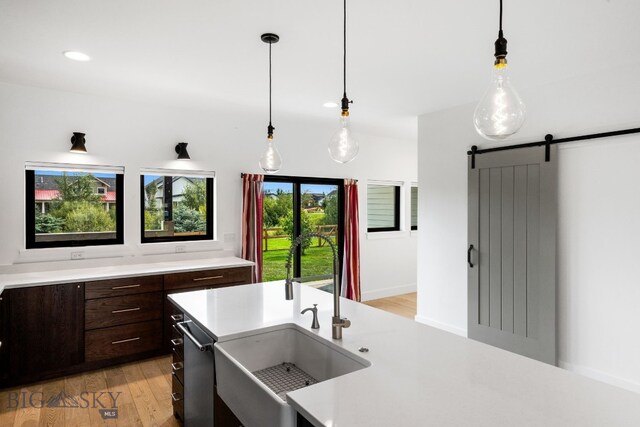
(272, 187)
(59, 173)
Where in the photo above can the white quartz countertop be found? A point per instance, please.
(419, 375)
(115, 270)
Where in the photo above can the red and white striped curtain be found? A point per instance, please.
(351, 263)
(252, 200)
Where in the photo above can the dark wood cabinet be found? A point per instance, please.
(46, 332)
(54, 330)
(196, 281)
(4, 322)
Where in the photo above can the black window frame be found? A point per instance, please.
(30, 219)
(297, 182)
(164, 239)
(414, 227)
(396, 209)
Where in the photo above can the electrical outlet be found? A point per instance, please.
(77, 255)
(181, 249)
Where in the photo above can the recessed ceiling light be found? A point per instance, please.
(330, 104)
(76, 56)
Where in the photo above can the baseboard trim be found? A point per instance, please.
(389, 292)
(443, 326)
(600, 376)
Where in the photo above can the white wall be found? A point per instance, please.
(36, 124)
(598, 223)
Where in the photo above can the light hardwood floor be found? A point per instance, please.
(144, 387)
(144, 399)
(403, 305)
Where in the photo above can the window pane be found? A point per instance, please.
(318, 214)
(74, 206)
(382, 207)
(414, 208)
(277, 222)
(175, 207)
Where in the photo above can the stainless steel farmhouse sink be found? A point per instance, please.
(254, 373)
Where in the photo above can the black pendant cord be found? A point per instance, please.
(345, 100)
(548, 141)
(500, 44)
(344, 50)
(270, 127)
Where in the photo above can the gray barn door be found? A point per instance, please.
(512, 252)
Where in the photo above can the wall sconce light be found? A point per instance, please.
(181, 149)
(77, 143)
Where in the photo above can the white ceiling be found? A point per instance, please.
(406, 57)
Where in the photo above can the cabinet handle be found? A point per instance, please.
(177, 366)
(177, 342)
(124, 341)
(199, 279)
(115, 288)
(177, 317)
(469, 256)
(125, 310)
(177, 397)
(199, 345)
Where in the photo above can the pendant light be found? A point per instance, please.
(343, 147)
(270, 162)
(501, 112)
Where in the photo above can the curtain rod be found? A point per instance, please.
(242, 175)
(548, 141)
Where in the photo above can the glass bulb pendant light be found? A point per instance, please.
(270, 161)
(501, 112)
(343, 147)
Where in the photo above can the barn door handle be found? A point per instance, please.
(469, 256)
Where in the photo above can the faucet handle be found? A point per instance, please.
(314, 324)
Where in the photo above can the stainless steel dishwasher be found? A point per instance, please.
(198, 375)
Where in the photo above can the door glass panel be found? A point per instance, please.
(319, 214)
(277, 229)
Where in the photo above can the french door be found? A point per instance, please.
(295, 206)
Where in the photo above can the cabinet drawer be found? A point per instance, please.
(177, 370)
(124, 340)
(106, 312)
(177, 396)
(213, 278)
(177, 345)
(119, 287)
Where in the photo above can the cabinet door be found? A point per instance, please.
(4, 300)
(46, 329)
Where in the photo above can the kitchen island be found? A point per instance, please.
(419, 375)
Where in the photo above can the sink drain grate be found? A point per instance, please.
(284, 378)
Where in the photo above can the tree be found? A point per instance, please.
(152, 214)
(46, 223)
(331, 208)
(152, 221)
(87, 217)
(307, 201)
(187, 220)
(286, 223)
(77, 188)
(195, 195)
(276, 208)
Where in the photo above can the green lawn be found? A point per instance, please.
(315, 261)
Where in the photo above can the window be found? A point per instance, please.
(383, 207)
(176, 206)
(294, 206)
(414, 207)
(101, 190)
(64, 207)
